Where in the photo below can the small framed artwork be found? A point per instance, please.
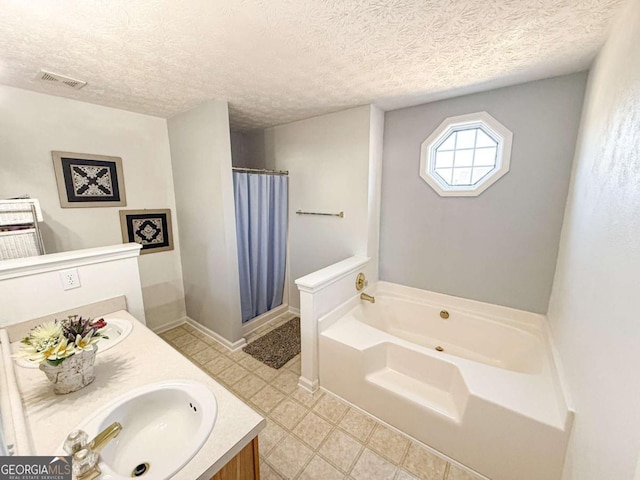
(86, 180)
(149, 228)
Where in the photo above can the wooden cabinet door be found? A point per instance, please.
(244, 466)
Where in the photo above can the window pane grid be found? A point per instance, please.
(465, 175)
(463, 149)
(473, 162)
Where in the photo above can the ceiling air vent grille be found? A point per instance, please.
(50, 77)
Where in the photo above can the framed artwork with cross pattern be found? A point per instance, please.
(86, 180)
(149, 228)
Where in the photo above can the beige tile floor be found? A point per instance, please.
(308, 436)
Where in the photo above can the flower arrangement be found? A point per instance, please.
(54, 341)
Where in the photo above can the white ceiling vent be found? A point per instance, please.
(50, 77)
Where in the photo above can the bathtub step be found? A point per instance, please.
(416, 391)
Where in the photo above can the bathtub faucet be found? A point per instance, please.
(368, 298)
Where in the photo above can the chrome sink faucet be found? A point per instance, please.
(86, 455)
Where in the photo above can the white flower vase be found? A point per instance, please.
(73, 373)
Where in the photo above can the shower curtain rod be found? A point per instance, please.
(260, 171)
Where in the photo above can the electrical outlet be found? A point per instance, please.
(70, 279)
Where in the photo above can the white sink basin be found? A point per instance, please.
(117, 330)
(163, 426)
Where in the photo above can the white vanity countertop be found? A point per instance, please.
(142, 358)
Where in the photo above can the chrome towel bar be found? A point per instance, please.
(340, 214)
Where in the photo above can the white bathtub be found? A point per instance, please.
(480, 386)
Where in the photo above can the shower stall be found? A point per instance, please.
(261, 204)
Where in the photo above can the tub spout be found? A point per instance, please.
(368, 298)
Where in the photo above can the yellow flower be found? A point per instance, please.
(61, 350)
(86, 342)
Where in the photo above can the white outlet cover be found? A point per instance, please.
(70, 279)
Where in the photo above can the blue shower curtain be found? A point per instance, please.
(261, 227)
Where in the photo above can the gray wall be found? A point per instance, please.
(501, 246)
(238, 158)
(247, 149)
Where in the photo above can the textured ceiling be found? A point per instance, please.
(276, 61)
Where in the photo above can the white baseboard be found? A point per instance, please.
(233, 346)
(295, 311)
(263, 319)
(308, 385)
(168, 326)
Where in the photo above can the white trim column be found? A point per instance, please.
(321, 292)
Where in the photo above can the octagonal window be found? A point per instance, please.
(465, 155)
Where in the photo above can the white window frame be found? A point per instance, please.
(492, 127)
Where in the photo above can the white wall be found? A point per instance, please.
(376, 137)
(501, 246)
(34, 124)
(595, 301)
(328, 162)
(201, 159)
(104, 273)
